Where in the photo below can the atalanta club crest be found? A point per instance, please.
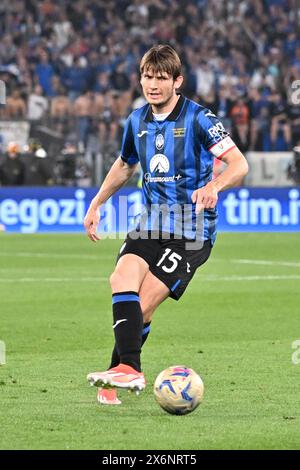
(159, 142)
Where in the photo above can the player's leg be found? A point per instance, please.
(146, 249)
(162, 281)
(152, 293)
(125, 283)
(169, 276)
(128, 274)
(128, 324)
(126, 279)
(155, 288)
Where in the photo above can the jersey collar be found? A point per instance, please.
(173, 116)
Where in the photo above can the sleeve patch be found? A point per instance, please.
(220, 148)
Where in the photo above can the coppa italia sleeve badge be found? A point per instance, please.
(220, 148)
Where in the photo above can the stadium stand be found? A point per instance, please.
(71, 68)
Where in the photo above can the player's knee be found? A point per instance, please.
(116, 281)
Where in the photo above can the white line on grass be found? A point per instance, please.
(54, 279)
(265, 262)
(282, 277)
(56, 255)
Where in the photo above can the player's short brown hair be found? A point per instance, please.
(161, 59)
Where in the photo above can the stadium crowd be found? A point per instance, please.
(72, 65)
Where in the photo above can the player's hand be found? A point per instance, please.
(91, 222)
(206, 197)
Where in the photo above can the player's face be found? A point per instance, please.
(160, 89)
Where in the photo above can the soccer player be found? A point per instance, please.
(175, 140)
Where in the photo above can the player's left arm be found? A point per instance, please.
(236, 170)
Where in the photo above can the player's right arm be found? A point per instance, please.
(217, 141)
(117, 176)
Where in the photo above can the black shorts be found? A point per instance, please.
(168, 260)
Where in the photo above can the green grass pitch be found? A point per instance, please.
(235, 326)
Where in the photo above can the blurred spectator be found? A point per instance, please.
(37, 104)
(63, 29)
(120, 83)
(76, 78)
(61, 106)
(8, 49)
(12, 169)
(205, 79)
(211, 101)
(45, 72)
(228, 77)
(15, 106)
(260, 123)
(103, 83)
(223, 103)
(84, 109)
(108, 112)
(280, 126)
(240, 115)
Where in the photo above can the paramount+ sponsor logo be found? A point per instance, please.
(159, 164)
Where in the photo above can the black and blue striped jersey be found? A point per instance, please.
(176, 157)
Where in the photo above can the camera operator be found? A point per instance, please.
(12, 169)
(38, 167)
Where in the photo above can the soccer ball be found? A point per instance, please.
(178, 390)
